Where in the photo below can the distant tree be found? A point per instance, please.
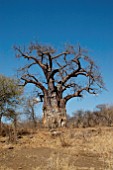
(30, 110)
(78, 118)
(101, 107)
(59, 76)
(9, 95)
(105, 114)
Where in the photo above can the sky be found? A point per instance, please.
(56, 22)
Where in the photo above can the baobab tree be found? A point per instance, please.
(60, 76)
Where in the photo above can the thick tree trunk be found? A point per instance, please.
(54, 112)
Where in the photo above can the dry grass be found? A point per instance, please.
(73, 149)
(102, 144)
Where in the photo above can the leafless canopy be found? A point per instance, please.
(68, 73)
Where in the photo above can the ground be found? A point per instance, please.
(64, 149)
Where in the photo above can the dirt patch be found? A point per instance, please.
(47, 159)
(26, 158)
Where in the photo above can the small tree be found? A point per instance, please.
(30, 110)
(59, 76)
(9, 94)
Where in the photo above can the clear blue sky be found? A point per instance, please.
(56, 22)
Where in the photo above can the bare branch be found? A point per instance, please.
(26, 67)
(31, 57)
(34, 81)
(78, 93)
(59, 69)
(50, 60)
(67, 86)
(59, 55)
(73, 74)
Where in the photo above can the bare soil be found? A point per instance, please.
(71, 149)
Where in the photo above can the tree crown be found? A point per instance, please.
(71, 71)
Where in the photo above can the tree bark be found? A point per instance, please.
(54, 112)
